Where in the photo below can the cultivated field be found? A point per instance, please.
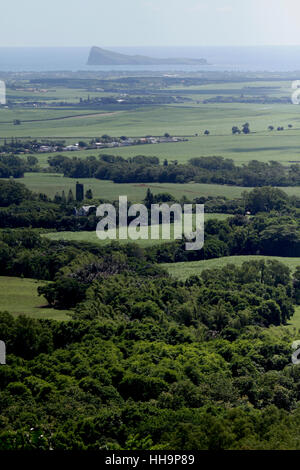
(187, 119)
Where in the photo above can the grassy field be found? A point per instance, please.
(184, 120)
(185, 270)
(278, 146)
(282, 147)
(91, 237)
(155, 120)
(62, 93)
(294, 322)
(19, 296)
(52, 94)
(50, 184)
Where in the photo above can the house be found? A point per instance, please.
(71, 148)
(45, 148)
(84, 211)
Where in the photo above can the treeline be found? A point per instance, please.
(271, 229)
(19, 146)
(209, 170)
(24, 253)
(19, 207)
(262, 99)
(13, 166)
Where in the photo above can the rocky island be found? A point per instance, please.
(99, 56)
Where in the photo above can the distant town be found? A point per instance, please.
(118, 142)
(20, 147)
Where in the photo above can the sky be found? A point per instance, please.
(149, 22)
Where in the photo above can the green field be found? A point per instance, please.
(294, 322)
(19, 296)
(278, 146)
(184, 120)
(156, 120)
(91, 237)
(282, 147)
(50, 184)
(187, 269)
(52, 94)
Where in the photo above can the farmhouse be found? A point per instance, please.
(84, 211)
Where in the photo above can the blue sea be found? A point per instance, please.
(43, 59)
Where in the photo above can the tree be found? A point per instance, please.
(31, 160)
(149, 199)
(70, 197)
(265, 199)
(13, 193)
(246, 128)
(271, 128)
(206, 132)
(89, 194)
(82, 144)
(235, 130)
(64, 293)
(57, 198)
(296, 284)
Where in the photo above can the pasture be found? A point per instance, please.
(19, 296)
(91, 237)
(51, 183)
(186, 119)
(294, 322)
(283, 147)
(184, 270)
(261, 144)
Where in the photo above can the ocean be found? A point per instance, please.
(251, 59)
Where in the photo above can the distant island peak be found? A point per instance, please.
(99, 56)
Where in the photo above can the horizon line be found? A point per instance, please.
(141, 46)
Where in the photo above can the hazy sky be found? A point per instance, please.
(149, 22)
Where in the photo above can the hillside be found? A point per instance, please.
(99, 56)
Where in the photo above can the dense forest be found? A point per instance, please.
(147, 362)
(141, 169)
